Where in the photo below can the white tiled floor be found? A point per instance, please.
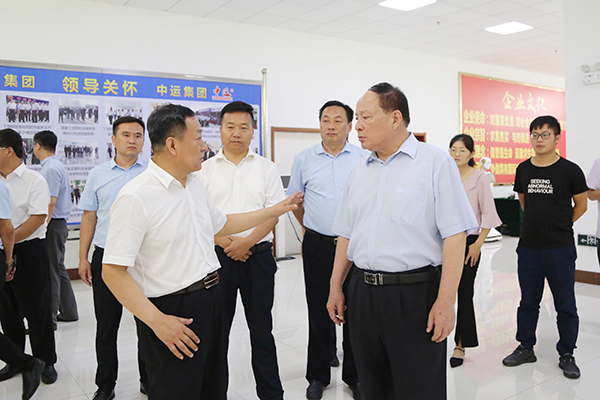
(481, 377)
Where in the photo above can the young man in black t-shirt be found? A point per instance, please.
(548, 186)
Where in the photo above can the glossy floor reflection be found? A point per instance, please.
(481, 377)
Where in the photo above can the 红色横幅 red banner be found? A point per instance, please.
(497, 115)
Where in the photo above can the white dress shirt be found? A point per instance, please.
(163, 232)
(29, 195)
(253, 184)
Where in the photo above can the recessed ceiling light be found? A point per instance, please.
(406, 5)
(508, 28)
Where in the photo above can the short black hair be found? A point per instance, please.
(124, 120)
(238, 106)
(549, 120)
(166, 121)
(46, 139)
(336, 103)
(468, 142)
(391, 99)
(11, 138)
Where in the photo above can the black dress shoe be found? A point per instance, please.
(8, 372)
(315, 390)
(102, 394)
(60, 318)
(143, 389)
(31, 379)
(356, 393)
(49, 375)
(334, 361)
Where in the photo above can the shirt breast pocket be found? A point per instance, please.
(255, 194)
(409, 206)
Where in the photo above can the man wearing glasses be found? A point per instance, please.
(548, 185)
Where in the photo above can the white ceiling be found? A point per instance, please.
(451, 28)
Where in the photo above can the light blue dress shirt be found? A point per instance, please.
(322, 177)
(4, 207)
(397, 213)
(101, 189)
(58, 182)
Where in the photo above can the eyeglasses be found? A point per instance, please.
(462, 151)
(544, 135)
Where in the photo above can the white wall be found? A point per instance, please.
(304, 70)
(582, 42)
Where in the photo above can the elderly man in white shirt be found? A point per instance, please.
(28, 294)
(239, 180)
(160, 262)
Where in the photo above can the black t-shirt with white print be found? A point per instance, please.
(548, 214)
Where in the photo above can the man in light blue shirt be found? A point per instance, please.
(59, 210)
(403, 214)
(101, 189)
(320, 173)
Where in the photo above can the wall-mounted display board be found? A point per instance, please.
(80, 104)
(497, 114)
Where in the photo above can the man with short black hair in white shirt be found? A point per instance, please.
(238, 180)
(160, 262)
(28, 294)
(103, 185)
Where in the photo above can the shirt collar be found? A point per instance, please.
(409, 147)
(18, 171)
(113, 164)
(166, 178)
(221, 156)
(47, 160)
(321, 149)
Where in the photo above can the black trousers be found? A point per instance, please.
(395, 357)
(28, 296)
(201, 377)
(255, 279)
(317, 257)
(466, 327)
(63, 298)
(108, 312)
(10, 353)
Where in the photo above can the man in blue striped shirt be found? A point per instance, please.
(403, 214)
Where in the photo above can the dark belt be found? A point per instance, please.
(419, 275)
(325, 238)
(262, 246)
(209, 281)
(257, 248)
